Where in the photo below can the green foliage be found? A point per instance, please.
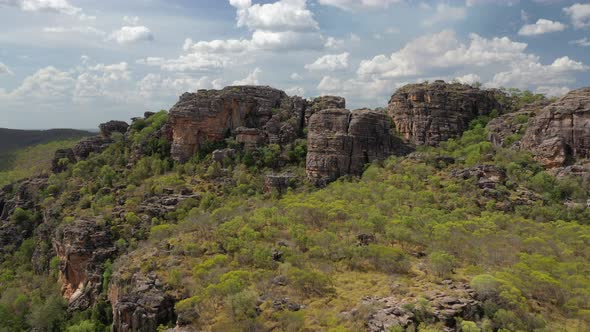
(441, 264)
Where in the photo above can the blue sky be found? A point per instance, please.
(76, 63)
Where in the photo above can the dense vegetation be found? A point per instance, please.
(227, 254)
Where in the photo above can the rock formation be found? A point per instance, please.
(108, 128)
(323, 103)
(61, 159)
(560, 134)
(427, 114)
(263, 115)
(140, 306)
(341, 142)
(507, 130)
(82, 248)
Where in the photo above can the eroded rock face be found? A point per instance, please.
(427, 114)
(108, 128)
(324, 103)
(281, 183)
(142, 306)
(560, 134)
(341, 142)
(82, 248)
(213, 115)
(95, 144)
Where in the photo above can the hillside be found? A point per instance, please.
(12, 140)
(245, 209)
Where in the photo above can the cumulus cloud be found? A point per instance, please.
(193, 62)
(329, 62)
(469, 79)
(283, 15)
(4, 70)
(158, 85)
(48, 83)
(359, 4)
(251, 79)
(101, 81)
(75, 29)
(553, 91)
(542, 26)
(584, 42)
(295, 91)
(56, 6)
(579, 15)
(357, 88)
(296, 77)
(446, 13)
(132, 34)
(443, 50)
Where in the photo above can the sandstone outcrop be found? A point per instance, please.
(281, 183)
(140, 306)
(560, 134)
(341, 142)
(108, 128)
(427, 114)
(82, 249)
(263, 115)
(61, 159)
(507, 130)
(323, 103)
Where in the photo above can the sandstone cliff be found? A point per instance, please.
(341, 142)
(427, 114)
(561, 132)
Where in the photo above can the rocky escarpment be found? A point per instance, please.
(255, 114)
(508, 129)
(16, 227)
(427, 114)
(560, 134)
(141, 305)
(82, 249)
(341, 142)
(323, 103)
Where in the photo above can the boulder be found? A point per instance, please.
(488, 176)
(280, 183)
(341, 142)
(95, 144)
(82, 249)
(427, 114)
(223, 154)
(141, 305)
(61, 159)
(108, 128)
(560, 134)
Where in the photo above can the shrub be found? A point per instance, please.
(441, 264)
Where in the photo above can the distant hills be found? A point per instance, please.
(12, 140)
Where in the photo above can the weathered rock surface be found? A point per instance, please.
(108, 128)
(488, 176)
(263, 114)
(140, 306)
(95, 144)
(341, 142)
(323, 103)
(23, 194)
(82, 248)
(560, 134)
(427, 114)
(455, 300)
(281, 183)
(507, 130)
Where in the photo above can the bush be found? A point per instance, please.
(311, 283)
(441, 264)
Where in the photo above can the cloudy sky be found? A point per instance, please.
(76, 63)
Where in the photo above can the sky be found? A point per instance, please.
(77, 63)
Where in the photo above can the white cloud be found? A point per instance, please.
(365, 90)
(217, 46)
(469, 79)
(295, 91)
(4, 70)
(296, 77)
(579, 15)
(193, 62)
(584, 42)
(251, 79)
(157, 85)
(131, 34)
(283, 15)
(553, 91)
(47, 83)
(442, 50)
(329, 62)
(101, 81)
(56, 6)
(530, 73)
(541, 27)
(75, 29)
(131, 20)
(358, 4)
(446, 13)
(509, 3)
